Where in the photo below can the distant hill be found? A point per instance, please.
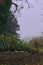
(27, 39)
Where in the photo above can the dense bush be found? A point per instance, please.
(36, 46)
(11, 43)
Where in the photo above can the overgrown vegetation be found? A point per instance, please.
(39, 41)
(9, 40)
(8, 29)
(12, 43)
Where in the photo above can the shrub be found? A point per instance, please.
(11, 43)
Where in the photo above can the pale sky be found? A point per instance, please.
(30, 20)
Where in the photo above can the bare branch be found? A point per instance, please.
(16, 6)
(27, 3)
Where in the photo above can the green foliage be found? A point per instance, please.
(12, 43)
(9, 27)
(8, 22)
(4, 13)
(13, 25)
(5, 9)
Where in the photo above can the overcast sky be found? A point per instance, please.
(31, 21)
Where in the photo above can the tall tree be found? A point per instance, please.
(13, 25)
(5, 11)
(8, 22)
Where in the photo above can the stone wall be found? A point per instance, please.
(21, 58)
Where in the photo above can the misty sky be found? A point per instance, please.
(31, 20)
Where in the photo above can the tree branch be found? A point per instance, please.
(15, 6)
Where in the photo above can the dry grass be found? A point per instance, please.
(39, 41)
